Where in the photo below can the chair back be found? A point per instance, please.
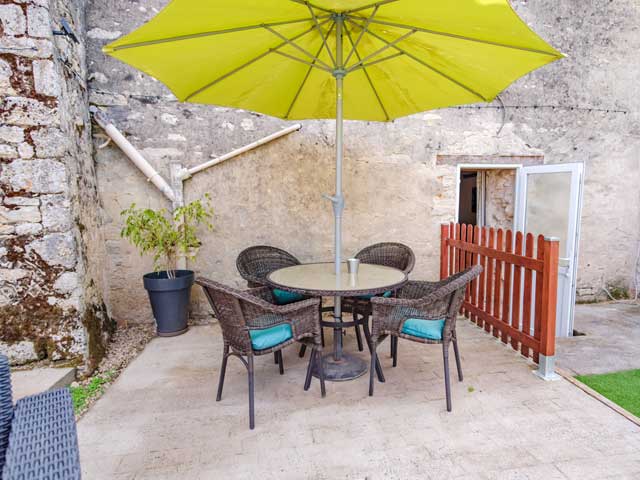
(255, 263)
(225, 302)
(389, 254)
(446, 300)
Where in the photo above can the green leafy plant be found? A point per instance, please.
(82, 394)
(166, 236)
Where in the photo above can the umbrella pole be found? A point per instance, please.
(338, 200)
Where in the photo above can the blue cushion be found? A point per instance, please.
(431, 329)
(270, 337)
(369, 297)
(283, 297)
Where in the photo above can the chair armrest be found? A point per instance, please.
(414, 289)
(43, 440)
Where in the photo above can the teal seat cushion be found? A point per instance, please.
(283, 297)
(270, 337)
(430, 329)
(369, 297)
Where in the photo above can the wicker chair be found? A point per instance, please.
(243, 313)
(255, 263)
(38, 437)
(413, 315)
(389, 254)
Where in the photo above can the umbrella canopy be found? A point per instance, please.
(351, 59)
(280, 57)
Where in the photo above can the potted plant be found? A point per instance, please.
(166, 237)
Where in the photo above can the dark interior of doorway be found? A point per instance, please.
(468, 198)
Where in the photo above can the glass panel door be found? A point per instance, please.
(548, 203)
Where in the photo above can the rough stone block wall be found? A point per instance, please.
(51, 248)
(500, 187)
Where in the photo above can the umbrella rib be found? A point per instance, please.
(298, 47)
(379, 51)
(322, 9)
(311, 64)
(459, 37)
(380, 60)
(425, 64)
(366, 74)
(304, 80)
(367, 7)
(324, 39)
(361, 34)
(211, 33)
(246, 64)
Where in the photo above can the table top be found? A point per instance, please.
(319, 279)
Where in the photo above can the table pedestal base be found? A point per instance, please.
(347, 368)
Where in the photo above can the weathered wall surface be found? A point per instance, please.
(581, 109)
(500, 186)
(51, 247)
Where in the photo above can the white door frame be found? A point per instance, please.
(573, 234)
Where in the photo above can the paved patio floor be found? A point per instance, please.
(611, 342)
(160, 420)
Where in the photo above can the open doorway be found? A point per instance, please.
(486, 196)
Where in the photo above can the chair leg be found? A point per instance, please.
(447, 383)
(252, 420)
(357, 330)
(280, 362)
(318, 356)
(374, 358)
(303, 349)
(322, 335)
(275, 358)
(223, 370)
(359, 338)
(394, 350)
(307, 380)
(367, 334)
(457, 354)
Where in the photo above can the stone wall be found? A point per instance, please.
(51, 246)
(580, 109)
(500, 186)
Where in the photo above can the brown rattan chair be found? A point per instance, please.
(389, 254)
(249, 317)
(424, 312)
(255, 263)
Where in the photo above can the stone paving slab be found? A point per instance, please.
(30, 382)
(611, 342)
(160, 420)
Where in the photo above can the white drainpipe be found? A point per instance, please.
(134, 155)
(175, 191)
(234, 153)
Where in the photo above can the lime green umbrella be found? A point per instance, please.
(335, 59)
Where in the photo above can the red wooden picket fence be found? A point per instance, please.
(515, 296)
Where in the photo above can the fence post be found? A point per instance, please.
(444, 251)
(546, 364)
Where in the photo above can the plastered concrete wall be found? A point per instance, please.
(51, 246)
(581, 109)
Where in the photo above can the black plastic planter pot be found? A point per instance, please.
(170, 299)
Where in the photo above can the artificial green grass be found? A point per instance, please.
(622, 388)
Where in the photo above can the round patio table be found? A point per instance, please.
(320, 280)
